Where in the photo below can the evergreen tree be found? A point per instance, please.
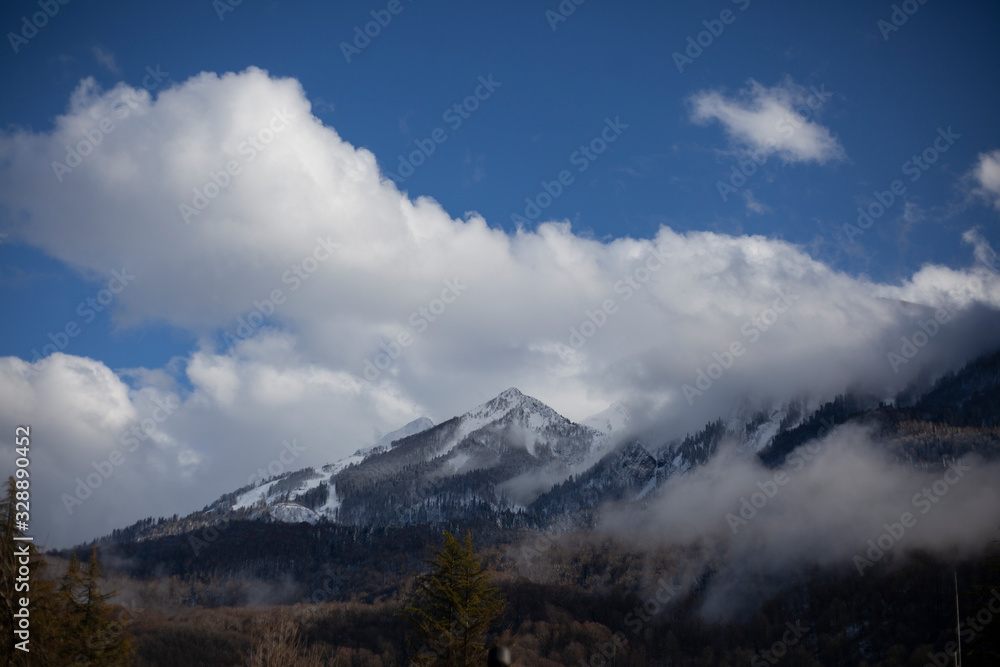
(452, 607)
(91, 633)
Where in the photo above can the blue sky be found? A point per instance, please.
(845, 101)
(890, 96)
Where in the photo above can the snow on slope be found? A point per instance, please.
(511, 408)
(261, 492)
(529, 418)
(293, 512)
(250, 498)
(337, 466)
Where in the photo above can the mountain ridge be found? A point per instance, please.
(514, 455)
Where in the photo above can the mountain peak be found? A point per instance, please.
(504, 402)
(511, 393)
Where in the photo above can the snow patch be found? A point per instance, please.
(293, 513)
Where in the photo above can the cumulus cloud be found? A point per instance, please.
(107, 453)
(987, 177)
(328, 303)
(778, 120)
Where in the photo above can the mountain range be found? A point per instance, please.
(515, 459)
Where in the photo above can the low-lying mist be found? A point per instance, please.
(838, 502)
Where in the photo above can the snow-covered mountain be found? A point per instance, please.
(512, 453)
(515, 459)
(500, 453)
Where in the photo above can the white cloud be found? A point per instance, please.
(912, 213)
(196, 444)
(780, 120)
(215, 376)
(987, 176)
(753, 205)
(106, 58)
(508, 321)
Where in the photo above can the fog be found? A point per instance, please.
(837, 503)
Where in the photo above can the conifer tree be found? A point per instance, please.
(90, 632)
(452, 607)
